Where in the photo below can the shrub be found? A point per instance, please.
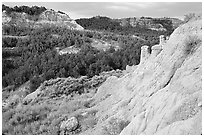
(190, 44)
(14, 101)
(26, 120)
(35, 83)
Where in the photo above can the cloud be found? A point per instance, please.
(120, 9)
(141, 5)
(144, 5)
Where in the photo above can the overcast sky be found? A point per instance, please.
(119, 9)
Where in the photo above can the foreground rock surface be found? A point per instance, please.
(162, 95)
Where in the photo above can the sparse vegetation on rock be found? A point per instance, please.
(36, 17)
(190, 43)
(115, 126)
(45, 93)
(192, 17)
(62, 93)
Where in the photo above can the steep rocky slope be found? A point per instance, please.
(161, 95)
(47, 18)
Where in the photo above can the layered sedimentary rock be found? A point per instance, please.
(150, 23)
(48, 18)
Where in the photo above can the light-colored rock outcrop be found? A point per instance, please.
(69, 125)
(150, 23)
(51, 15)
(145, 53)
(46, 18)
(156, 49)
(147, 22)
(68, 50)
(163, 94)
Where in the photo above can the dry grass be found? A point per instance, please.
(115, 126)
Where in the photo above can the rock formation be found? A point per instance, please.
(69, 125)
(147, 22)
(155, 50)
(163, 94)
(145, 53)
(150, 23)
(48, 17)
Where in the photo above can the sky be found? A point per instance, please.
(119, 9)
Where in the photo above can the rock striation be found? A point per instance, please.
(163, 94)
(46, 18)
(150, 23)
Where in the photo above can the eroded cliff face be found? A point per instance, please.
(162, 95)
(150, 23)
(142, 22)
(48, 18)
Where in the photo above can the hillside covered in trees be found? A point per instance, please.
(30, 53)
(34, 10)
(153, 97)
(134, 26)
(35, 55)
(113, 76)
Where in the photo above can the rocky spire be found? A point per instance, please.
(145, 53)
